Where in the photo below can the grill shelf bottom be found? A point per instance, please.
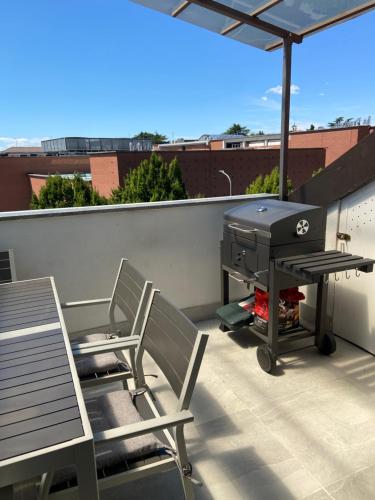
(298, 270)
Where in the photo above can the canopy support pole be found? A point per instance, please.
(285, 111)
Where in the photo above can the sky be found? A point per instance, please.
(111, 68)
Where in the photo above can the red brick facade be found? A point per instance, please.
(336, 142)
(200, 169)
(15, 186)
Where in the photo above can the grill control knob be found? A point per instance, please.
(302, 227)
(243, 252)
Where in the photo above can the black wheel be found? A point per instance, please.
(265, 358)
(327, 345)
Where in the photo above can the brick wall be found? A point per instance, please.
(336, 141)
(37, 183)
(200, 169)
(15, 185)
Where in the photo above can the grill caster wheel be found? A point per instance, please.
(265, 358)
(327, 345)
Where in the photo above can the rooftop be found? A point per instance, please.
(303, 433)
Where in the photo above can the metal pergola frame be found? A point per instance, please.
(287, 40)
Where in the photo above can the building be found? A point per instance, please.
(336, 141)
(200, 169)
(17, 181)
(21, 151)
(87, 145)
(249, 141)
(204, 143)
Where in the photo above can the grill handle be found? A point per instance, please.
(236, 227)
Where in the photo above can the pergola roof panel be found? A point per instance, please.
(253, 36)
(261, 23)
(299, 15)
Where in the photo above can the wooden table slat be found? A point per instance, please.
(26, 312)
(48, 436)
(35, 386)
(32, 358)
(29, 321)
(34, 377)
(40, 366)
(43, 338)
(38, 423)
(38, 410)
(36, 398)
(30, 352)
(38, 402)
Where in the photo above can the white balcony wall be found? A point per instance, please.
(174, 244)
(351, 298)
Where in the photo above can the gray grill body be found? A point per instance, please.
(263, 230)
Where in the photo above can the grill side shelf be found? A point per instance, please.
(312, 267)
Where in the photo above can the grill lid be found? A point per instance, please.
(282, 221)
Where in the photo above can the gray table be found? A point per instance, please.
(43, 420)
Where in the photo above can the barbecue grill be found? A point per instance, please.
(277, 245)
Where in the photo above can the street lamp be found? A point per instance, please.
(229, 179)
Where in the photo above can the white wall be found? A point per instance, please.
(354, 297)
(351, 299)
(175, 244)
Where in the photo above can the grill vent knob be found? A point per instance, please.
(302, 227)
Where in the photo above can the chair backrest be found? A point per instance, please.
(174, 343)
(7, 266)
(130, 294)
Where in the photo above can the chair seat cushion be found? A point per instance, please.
(111, 410)
(88, 366)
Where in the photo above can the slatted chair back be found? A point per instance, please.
(174, 343)
(130, 289)
(7, 267)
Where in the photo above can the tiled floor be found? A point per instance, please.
(305, 433)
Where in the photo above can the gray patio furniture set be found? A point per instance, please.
(130, 435)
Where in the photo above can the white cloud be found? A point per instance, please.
(321, 93)
(266, 103)
(294, 89)
(7, 142)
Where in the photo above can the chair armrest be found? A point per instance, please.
(103, 346)
(84, 303)
(144, 427)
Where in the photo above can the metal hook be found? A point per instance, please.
(357, 273)
(336, 278)
(347, 276)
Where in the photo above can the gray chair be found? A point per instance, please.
(132, 439)
(130, 295)
(7, 266)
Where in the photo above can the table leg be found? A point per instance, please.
(86, 472)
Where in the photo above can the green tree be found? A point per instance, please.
(153, 180)
(155, 137)
(237, 129)
(61, 192)
(338, 122)
(268, 183)
(312, 127)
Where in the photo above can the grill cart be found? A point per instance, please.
(277, 245)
